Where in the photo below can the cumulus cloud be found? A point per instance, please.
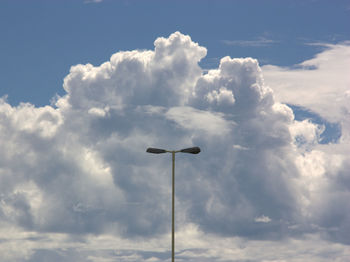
(76, 173)
(321, 85)
(323, 75)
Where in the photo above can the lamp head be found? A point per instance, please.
(155, 150)
(191, 150)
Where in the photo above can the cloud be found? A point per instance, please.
(321, 85)
(199, 121)
(93, 1)
(262, 219)
(259, 42)
(191, 243)
(324, 75)
(76, 176)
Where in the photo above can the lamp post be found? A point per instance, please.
(190, 150)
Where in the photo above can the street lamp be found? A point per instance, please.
(190, 150)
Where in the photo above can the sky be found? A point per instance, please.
(262, 87)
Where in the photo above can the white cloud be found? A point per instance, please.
(197, 120)
(192, 246)
(92, 1)
(262, 219)
(239, 147)
(76, 181)
(306, 133)
(99, 112)
(319, 84)
(259, 42)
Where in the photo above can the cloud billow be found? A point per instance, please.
(80, 166)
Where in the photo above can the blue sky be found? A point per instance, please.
(262, 87)
(40, 40)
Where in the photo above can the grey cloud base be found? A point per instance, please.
(79, 167)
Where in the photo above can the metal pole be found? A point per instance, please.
(190, 150)
(173, 211)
